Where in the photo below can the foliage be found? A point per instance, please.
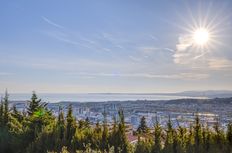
(38, 131)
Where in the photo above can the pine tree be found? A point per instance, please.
(229, 137)
(70, 127)
(6, 109)
(97, 137)
(1, 113)
(219, 138)
(143, 129)
(105, 134)
(157, 141)
(190, 138)
(168, 145)
(16, 114)
(114, 138)
(122, 133)
(197, 135)
(61, 124)
(181, 138)
(206, 139)
(35, 104)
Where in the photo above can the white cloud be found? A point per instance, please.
(184, 54)
(52, 23)
(182, 76)
(219, 63)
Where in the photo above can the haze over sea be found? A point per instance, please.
(95, 97)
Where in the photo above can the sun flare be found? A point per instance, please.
(201, 36)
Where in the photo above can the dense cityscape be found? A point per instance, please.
(181, 111)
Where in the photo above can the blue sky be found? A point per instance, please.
(114, 46)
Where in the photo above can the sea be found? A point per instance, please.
(95, 97)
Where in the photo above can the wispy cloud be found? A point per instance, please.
(219, 63)
(153, 37)
(183, 54)
(52, 23)
(136, 59)
(182, 76)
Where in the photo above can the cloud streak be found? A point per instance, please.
(182, 76)
(52, 23)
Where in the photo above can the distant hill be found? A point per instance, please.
(208, 93)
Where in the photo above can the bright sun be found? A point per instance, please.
(201, 36)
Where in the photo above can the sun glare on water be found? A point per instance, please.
(201, 36)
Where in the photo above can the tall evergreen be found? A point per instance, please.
(181, 138)
(218, 138)
(34, 104)
(61, 124)
(124, 147)
(105, 134)
(157, 140)
(229, 137)
(6, 109)
(142, 128)
(206, 139)
(168, 144)
(70, 127)
(1, 113)
(197, 135)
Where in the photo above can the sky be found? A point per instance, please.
(83, 46)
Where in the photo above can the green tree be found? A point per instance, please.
(123, 144)
(70, 127)
(1, 113)
(61, 124)
(105, 134)
(206, 139)
(142, 128)
(6, 109)
(168, 145)
(218, 138)
(34, 104)
(143, 147)
(229, 137)
(157, 140)
(197, 135)
(181, 138)
(16, 114)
